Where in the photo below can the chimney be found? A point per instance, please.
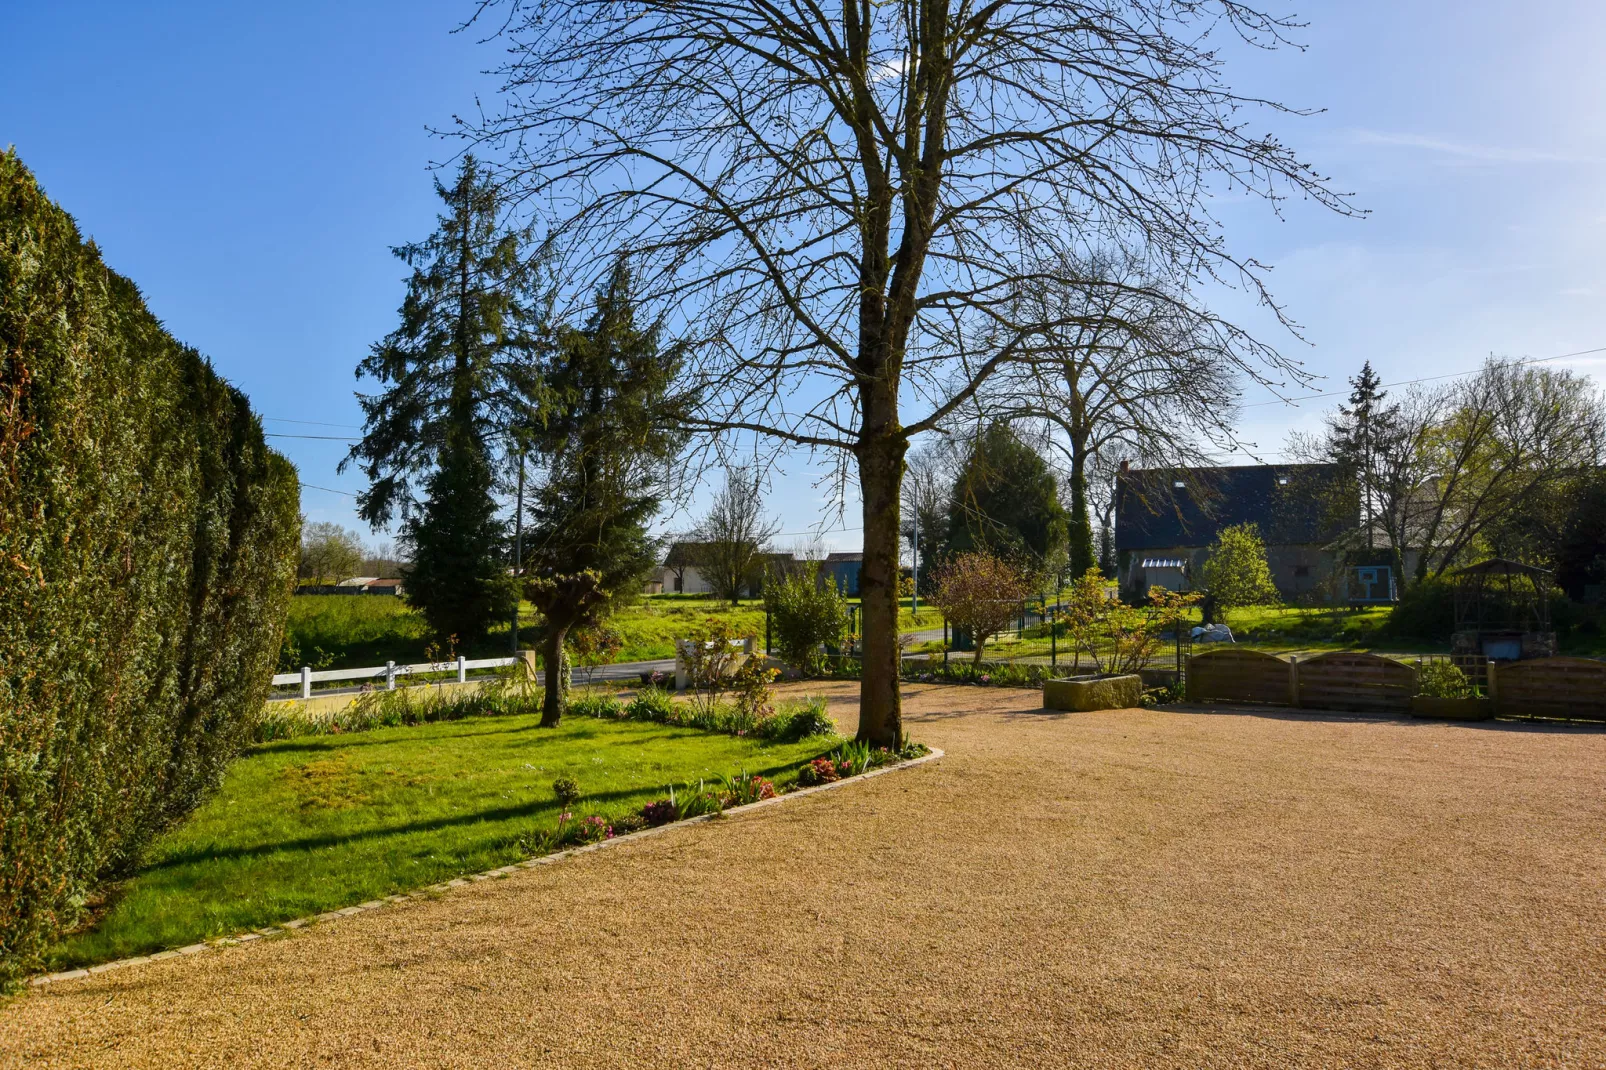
(1126, 466)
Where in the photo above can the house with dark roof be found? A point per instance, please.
(1166, 519)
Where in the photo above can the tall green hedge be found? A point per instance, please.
(147, 554)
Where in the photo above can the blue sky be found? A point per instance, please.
(249, 166)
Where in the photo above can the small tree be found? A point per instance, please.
(805, 613)
(607, 444)
(734, 535)
(1119, 638)
(329, 552)
(981, 592)
(1236, 573)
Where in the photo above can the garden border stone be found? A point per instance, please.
(288, 928)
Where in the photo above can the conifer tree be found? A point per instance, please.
(1362, 433)
(610, 433)
(458, 577)
(459, 374)
(1005, 502)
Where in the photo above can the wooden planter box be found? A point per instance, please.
(1084, 694)
(1452, 709)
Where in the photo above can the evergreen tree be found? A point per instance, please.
(1006, 503)
(458, 578)
(458, 374)
(1360, 436)
(611, 431)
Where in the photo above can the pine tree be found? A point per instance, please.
(1005, 502)
(458, 578)
(460, 372)
(611, 431)
(1362, 433)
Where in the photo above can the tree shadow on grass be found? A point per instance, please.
(496, 814)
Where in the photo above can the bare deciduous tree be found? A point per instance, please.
(1124, 367)
(1459, 460)
(735, 535)
(842, 208)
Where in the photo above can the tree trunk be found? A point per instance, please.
(1081, 548)
(556, 666)
(880, 480)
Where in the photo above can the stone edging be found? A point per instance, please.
(288, 927)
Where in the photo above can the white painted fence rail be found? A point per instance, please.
(386, 672)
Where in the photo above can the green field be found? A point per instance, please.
(310, 825)
(333, 631)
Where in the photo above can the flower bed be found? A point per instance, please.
(690, 800)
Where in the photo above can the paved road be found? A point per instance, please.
(1138, 888)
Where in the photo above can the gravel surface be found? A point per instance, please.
(1132, 888)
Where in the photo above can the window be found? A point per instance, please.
(1282, 481)
(1179, 484)
(1301, 571)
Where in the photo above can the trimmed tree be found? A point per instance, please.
(981, 592)
(844, 203)
(1236, 573)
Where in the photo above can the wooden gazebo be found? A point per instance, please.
(1502, 612)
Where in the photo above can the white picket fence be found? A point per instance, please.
(387, 672)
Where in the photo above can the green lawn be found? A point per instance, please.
(315, 824)
(334, 631)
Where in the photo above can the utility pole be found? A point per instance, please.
(914, 599)
(518, 553)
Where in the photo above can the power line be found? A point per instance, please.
(321, 438)
(311, 423)
(1424, 379)
(331, 490)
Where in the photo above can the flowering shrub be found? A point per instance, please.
(746, 788)
(819, 771)
(754, 700)
(661, 812)
(591, 830)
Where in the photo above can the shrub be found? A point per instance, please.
(597, 704)
(405, 706)
(799, 720)
(624, 826)
(150, 541)
(794, 721)
(1236, 573)
(661, 812)
(651, 704)
(746, 788)
(819, 771)
(566, 791)
(1443, 679)
(1426, 610)
(807, 612)
(692, 801)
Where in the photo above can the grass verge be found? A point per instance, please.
(308, 825)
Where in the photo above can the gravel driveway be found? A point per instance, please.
(1133, 888)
